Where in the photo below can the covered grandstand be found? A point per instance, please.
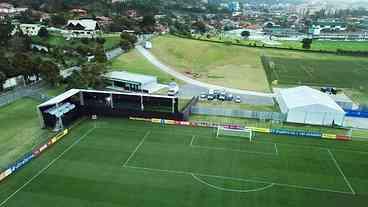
(76, 103)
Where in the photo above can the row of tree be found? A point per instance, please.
(27, 66)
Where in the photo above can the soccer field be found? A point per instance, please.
(116, 162)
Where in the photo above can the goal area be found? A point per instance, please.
(225, 131)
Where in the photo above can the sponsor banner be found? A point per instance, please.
(5, 174)
(257, 129)
(184, 123)
(343, 137)
(329, 136)
(156, 120)
(139, 119)
(296, 133)
(171, 122)
(232, 126)
(20, 163)
(59, 136)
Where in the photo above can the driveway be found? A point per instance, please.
(191, 81)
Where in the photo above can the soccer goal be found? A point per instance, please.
(224, 131)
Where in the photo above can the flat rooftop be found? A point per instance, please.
(132, 77)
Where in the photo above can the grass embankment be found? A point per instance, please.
(134, 62)
(20, 130)
(219, 64)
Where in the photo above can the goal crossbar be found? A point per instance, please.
(243, 132)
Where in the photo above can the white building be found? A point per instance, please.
(309, 106)
(125, 81)
(84, 28)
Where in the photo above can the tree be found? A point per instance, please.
(129, 37)
(100, 54)
(200, 27)
(58, 20)
(2, 79)
(6, 29)
(307, 43)
(43, 33)
(245, 34)
(148, 24)
(125, 44)
(89, 77)
(50, 72)
(23, 65)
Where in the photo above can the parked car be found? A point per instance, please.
(222, 96)
(230, 97)
(329, 90)
(203, 95)
(237, 99)
(211, 94)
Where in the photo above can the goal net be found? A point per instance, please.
(223, 131)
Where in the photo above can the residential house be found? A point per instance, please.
(84, 28)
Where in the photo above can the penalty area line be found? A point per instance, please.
(47, 166)
(228, 189)
(341, 172)
(137, 148)
(238, 179)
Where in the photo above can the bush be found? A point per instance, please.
(101, 40)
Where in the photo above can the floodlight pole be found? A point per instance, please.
(60, 118)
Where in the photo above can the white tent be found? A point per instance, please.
(307, 105)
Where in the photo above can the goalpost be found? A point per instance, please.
(224, 131)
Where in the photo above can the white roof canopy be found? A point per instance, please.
(306, 96)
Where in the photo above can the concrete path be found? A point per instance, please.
(148, 55)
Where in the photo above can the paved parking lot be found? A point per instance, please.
(189, 90)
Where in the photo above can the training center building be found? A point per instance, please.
(309, 106)
(125, 81)
(76, 103)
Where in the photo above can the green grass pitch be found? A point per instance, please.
(116, 162)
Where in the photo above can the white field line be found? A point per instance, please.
(239, 179)
(137, 148)
(46, 167)
(341, 172)
(191, 141)
(256, 141)
(276, 150)
(228, 189)
(232, 150)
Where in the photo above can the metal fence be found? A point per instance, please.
(18, 93)
(239, 113)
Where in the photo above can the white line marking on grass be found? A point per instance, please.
(46, 167)
(231, 150)
(228, 189)
(341, 172)
(239, 179)
(276, 150)
(137, 148)
(191, 141)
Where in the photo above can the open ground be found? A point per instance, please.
(19, 130)
(116, 162)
